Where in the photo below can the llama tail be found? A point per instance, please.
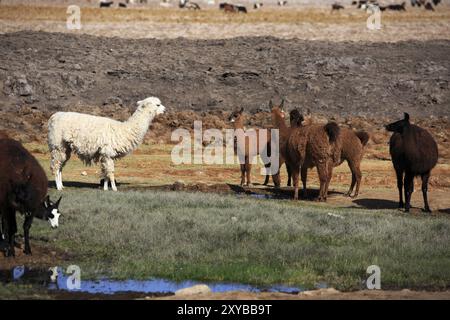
(332, 130)
(363, 137)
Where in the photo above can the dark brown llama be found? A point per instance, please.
(414, 152)
(295, 120)
(23, 188)
(237, 118)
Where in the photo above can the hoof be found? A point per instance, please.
(27, 252)
(427, 210)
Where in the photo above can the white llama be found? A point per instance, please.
(97, 139)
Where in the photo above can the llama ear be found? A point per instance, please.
(57, 202)
(242, 110)
(406, 117)
(270, 104)
(282, 104)
(47, 201)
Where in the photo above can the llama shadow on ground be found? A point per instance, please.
(447, 211)
(376, 204)
(81, 185)
(269, 192)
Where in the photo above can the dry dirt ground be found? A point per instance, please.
(321, 294)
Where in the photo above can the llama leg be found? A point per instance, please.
(266, 180)
(295, 176)
(104, 169)
(409, 189)
(248, 171)
(304, 173)
(242, 174)
(113, 182)
(323, 178)
(55, 165)
(12, 226)
(9, 229)
(289, 182)
(105, 183)
(425, 178)
(109, 169)
(399, 173)
(58, 160)
(329, 176)
(26, 233)
(356, 178)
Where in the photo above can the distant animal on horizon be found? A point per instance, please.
(429, 6)
(240, 8)
(188, 5)
(282, 3)
(23, 188)
(336, 7)
(98, 139)
(258, 5)
(122, 5)
(414, 152)
(106, 4)
(397, 7)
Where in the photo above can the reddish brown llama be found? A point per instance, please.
(353, 144)
(237, 118)
(314, 146)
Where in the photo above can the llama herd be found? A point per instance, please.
(413, 150)
(302, 146)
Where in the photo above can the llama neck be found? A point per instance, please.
(280, 124)
(138, 125)
(238, 124)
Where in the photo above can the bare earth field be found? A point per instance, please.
(205, 64)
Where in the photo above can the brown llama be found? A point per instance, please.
(414, 152)
(314, 146)
(23, 188)
(278, 122)
(353, 144)
(295, 120)
(237, 119)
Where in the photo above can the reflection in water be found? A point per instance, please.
(47, 278)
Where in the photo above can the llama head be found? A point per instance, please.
(399, 126)
(236, 115)
(151, 104)
(295, 118)
(50, 212)
(277, 111)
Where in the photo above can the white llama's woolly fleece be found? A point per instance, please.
(93, 138)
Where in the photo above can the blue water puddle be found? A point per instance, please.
(109, 286)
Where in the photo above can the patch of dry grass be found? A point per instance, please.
(213, 15)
